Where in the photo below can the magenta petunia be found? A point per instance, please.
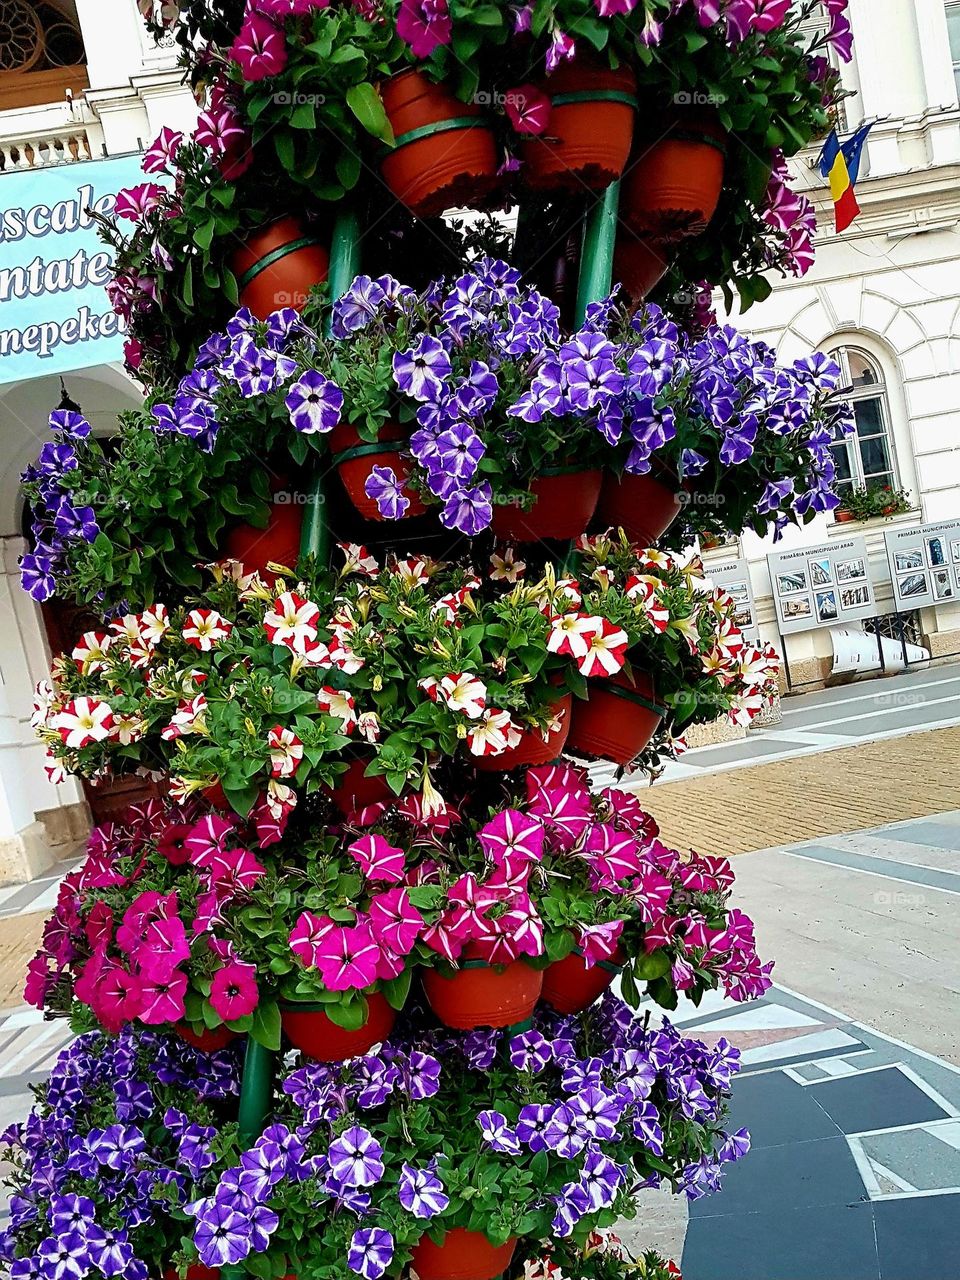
(515, 835)
(233, 992)
(424, 25)
(378, 859)
(528, 109)
(307, 934)
(395, 921)
(347, 958)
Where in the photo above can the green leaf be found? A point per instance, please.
(367, 105)
(265, 1025)
(397, 989)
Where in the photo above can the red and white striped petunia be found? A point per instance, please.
(154, 624)
(358, 560)
(570, 634)
(344, 658)
(493, 733)
(286, 751)
(189, 717)
(84, 720)
(340, 705)
(128, 728)
(280, 799)
(90, 653)
(292, 622)
(204, 628)
(607, 651)
(643, 589)
(463, 692)
(54, 770)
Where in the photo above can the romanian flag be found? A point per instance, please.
(840, 163)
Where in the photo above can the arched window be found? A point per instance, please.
(866, 457)
(41, 52)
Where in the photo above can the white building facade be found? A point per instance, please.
(885, 296)
(80, 82)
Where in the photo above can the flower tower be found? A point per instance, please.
(398, 552)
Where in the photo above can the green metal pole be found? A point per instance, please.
(256, 1090)
(596, 262)
(344, 261)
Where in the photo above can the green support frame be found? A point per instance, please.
(344, 263)
(596, 275)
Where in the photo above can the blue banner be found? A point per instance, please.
(54, 313)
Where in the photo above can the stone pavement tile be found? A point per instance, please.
(904, 849)
(941, 835)
(916, 1156)
(875, 1100)
(801, 1174)
(777, 1111)
(20, 938)
(833, 1242)
(765, 806)
(918, 1238)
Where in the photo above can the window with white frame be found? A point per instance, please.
(953, 30)
(866, 457)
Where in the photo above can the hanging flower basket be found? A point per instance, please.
(533, 748)
(278, 266)
(464, 1255)
(617, 720)
(587, 139)
(207, 1041)
(356, 458)
(638, 265)
(445, 154)
(308, 1028)
(278, 543)
(644, 507)
(565, 499)
(570, 987)
(356, 790)
(675, 177)
(479, 995)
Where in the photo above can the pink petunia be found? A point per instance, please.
(424, 25)
(512, 834)
(119, 997)
(347, 958)
(528, 110)
(163, 946)
(164, 1001)
(395, 921)
(134, 202)
(260, 50)
(599, 941)
(378, 859)
(233, 992)
(160, 154)
(307, 934)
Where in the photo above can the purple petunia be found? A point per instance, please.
(314, 403)
(469, 510)
(420, 371)
(355, 1160)
(421, 1192)
(497, 1133)
(371, 1252)
(386, 490)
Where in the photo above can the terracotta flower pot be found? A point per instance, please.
(209, 1041)
(355, 790)
(445, 154)
(195, 1271)
(617, 720)
(278, 543)
(355, 459)
(277, 267)
(570, 987)
(587, 140)
(638, 265)
(308, 1028)
(644, 507)
(478, 995)
(843, 517)
(675, 177)
(564, 503)
(464, 1255)
(532, 749)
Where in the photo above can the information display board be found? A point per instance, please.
(733, 576)
(924, 564)
(823, 586)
